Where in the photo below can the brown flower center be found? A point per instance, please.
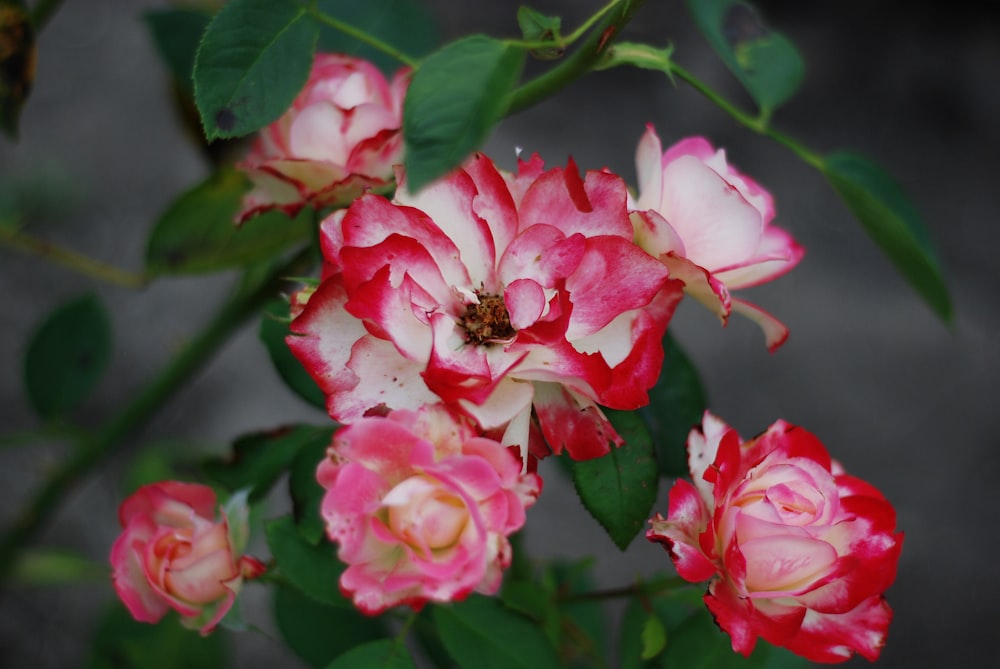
(488, 321)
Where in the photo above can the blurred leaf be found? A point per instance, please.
(537, 27)
(698, 643)
(584, 627)
(307, 493)
(535, 602)
(197, 234)
(481, 634)
(654, 638)
(177, 34)
(672, 609)
(259, 459)
(676, 404)
(318, 633)
(273, 330)
(765, 62)
(124, 643)
(67, 356)
(892, 221)
(407, 25)
(456, 97)
(47, 567)
(384, 654)
(315, 570)
(619, 489)
(430, 640)
(17, 63)
(254, 59)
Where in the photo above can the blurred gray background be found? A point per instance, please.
(900, 399)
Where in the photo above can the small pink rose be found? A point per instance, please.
(798, 552)
(341, 136)
(711, 225)
(421, 506)
(173, 554)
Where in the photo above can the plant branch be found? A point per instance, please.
(361, 36)
(60, 255)
(639, 589)
(647, 57)
(583, 60)
(92, 451)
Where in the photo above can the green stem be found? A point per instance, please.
(583, 60)
(634, 590)
(645, 56)
(563, 42)
(361, 36)
(16, 239)
(92, 451)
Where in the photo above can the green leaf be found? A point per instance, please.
(197, 234)
(619, 489)
(481, 634)
(537, 27)
(315, 570)
(273, 330)
(259, 459)
(67, 356)
(765, 62)
(676, 404)
(307, 493)
(176, 34)
(654, 638)
(17, 63)
(407, 25)
(254, 59)
(121, 642)
(48, 567)
(698, 643)
(318, 633)
(384, 654)
(892, 221)
(456, 97)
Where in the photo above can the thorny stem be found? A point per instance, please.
(92, 451)
(583, 60)
(60, 255)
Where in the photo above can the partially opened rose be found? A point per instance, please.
(511, 297)
(421, 507)
(711, 226)
(174, 554)
(341, 135)
(798, 552)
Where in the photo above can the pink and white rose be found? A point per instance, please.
(711, 226)
(511, 297)
(421, 507)
(341, 136)
(174, 554)
(798, 552)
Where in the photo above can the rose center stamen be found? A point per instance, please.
(488, 321)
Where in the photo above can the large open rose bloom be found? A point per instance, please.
(421, 507)
(711, 226)
(511, 298)
(797, 551)
(341, 135)
(173, 554)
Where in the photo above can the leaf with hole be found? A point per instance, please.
(254, 59)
